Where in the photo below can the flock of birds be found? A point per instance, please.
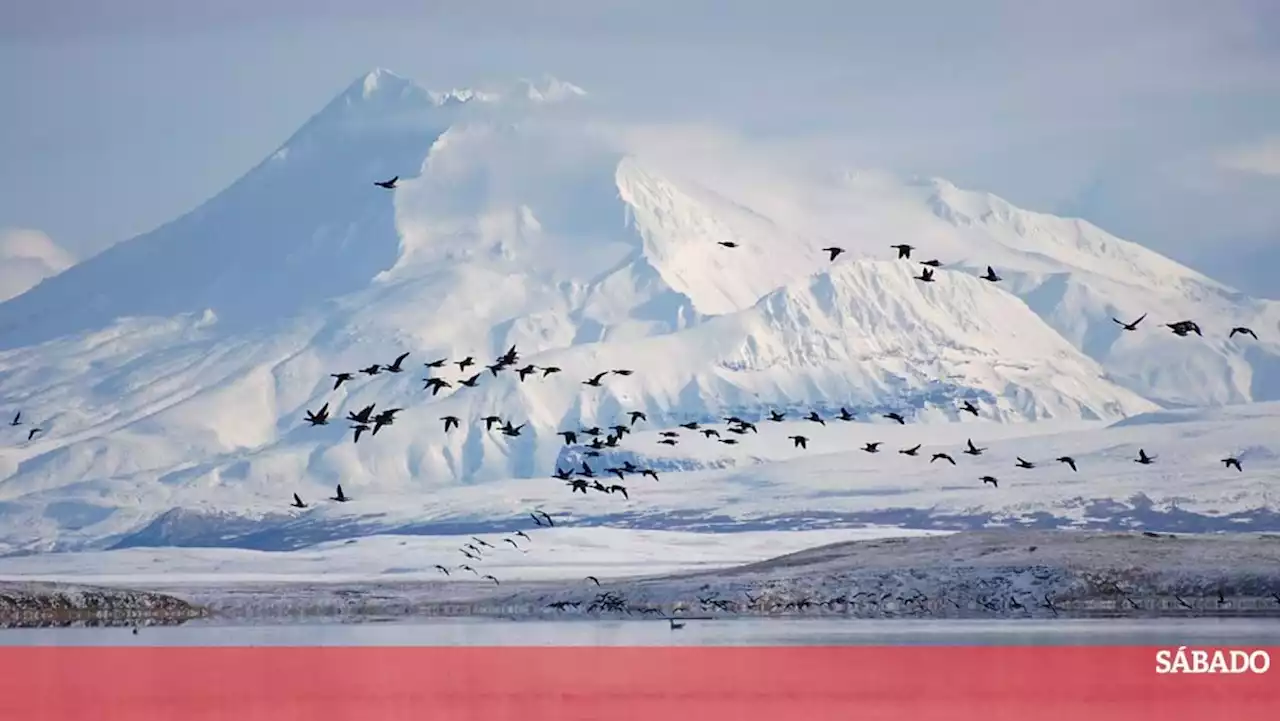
(583, 477)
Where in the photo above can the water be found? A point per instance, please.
(651, 632)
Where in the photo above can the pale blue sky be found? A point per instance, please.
(1149, 117)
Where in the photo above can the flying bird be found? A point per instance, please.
(437, 363)
(339, 379)
(320, 417)
(449, 422)
(638, 416)
(969, 408)
(904, 250)
(1242, 330)
(872, 447)
(491, 578)
(813, 416)
(462, 364)
(776, 417)
(595, 380)
(896, 417)
(934, 263)
(833, 251)
(990, 479)
(395, 367)
(1067, 460)
(340, 497)
(442, 569)
(799, 441)
(548, 370)
(944, 457)
(926, 275)
(845, 415)
(435, 384)
(728, 244)
(372, 370)
(388, 184)
(1143, 458)
(359, 428)
(910, 451)
(470, 382)
(1024, 463)
(973, 450)
(363, 416)
(594, 580)
(297, 502)
(991, 275)
(1232, 462)
(1130, 326)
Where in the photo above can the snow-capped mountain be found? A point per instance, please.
(172, 371)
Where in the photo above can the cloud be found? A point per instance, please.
(1260, 158)
(26, 258)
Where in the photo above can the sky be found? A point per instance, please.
(1159, 120)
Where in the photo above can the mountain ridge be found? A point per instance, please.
(172, 371)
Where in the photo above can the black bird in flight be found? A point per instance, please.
(435, 384)
(341, 497)
(17, 419)
(728, 244)
(297, 502)
(544, 515)
(395, 367)
(904, 250)
(1143, 458)
(32, 433)
(462, 364)
(372, 370)
(776, 417)
(833, 251)
(944, 457)
(991, 275)
(910, 451)
(489, 421)
(491, 578)
(594, 580)
(896, 417)
(1130, 326)
(595, 380)
(1230, 462)
(638, 416)
(934, 263)
(845, 415)
(1067, 460)
(388, 184)
(973, 450)
(1243, 330)
(359, 428)
(364, 416)
(385, 418)
(799, 441)
(990, 479)
(470, 382)
(570, 438)
(548, 370)
(320, 417)
(442, 569)
(437, 363)
(525, 372)
(449, 422)
(339, 379)
(926, 275)
(1024, 463)
(872, 447)
(813, 416)
(969, 408)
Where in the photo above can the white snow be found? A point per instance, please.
(170, 373)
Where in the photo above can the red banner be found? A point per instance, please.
(911, 683)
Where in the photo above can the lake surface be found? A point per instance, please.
(656, 632)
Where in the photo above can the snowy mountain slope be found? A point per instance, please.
(518, 222)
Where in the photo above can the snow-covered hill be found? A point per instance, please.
(169, 374)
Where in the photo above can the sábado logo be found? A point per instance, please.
(1199, 660)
